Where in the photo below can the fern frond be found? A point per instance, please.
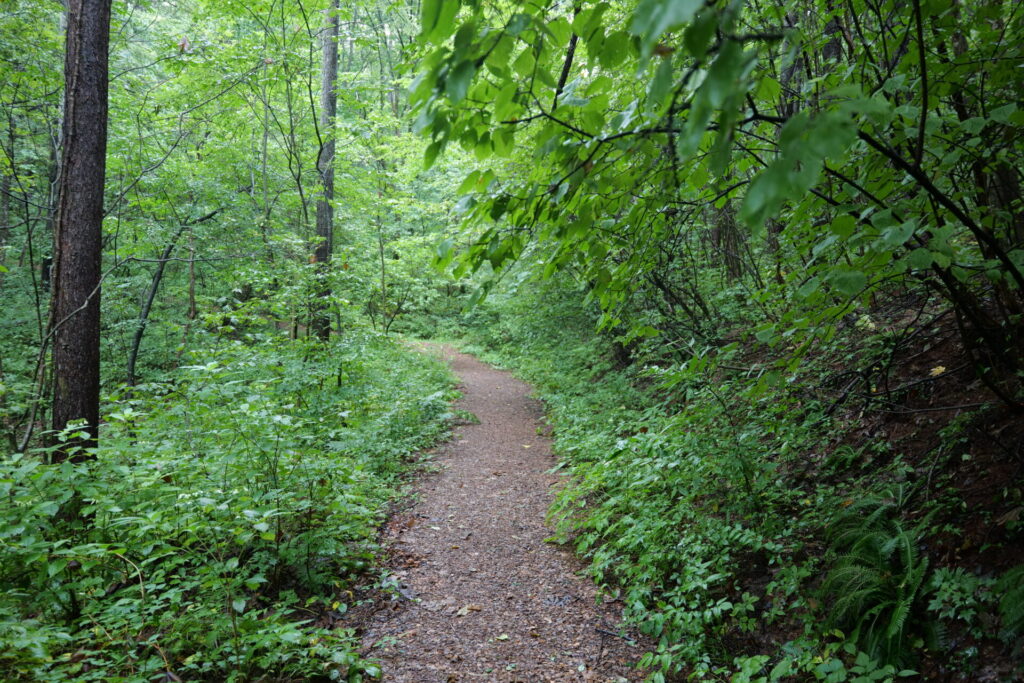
(1011, 604)
(877, 574)
(899, 618)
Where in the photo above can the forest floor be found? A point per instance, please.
(480, 595)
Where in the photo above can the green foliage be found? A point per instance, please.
(1011, 601)
(876, 584)
(703, 495)
(959, 595)
(836, 663)
(812, 153)
(725, 190)
(224, 513)
(672, 508)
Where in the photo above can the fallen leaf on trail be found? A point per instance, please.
(503, 636)
(526, 445)
(463, 611)
(937, 370)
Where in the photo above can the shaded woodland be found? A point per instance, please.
(763, 262)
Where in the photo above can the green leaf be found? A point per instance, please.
(849, 282)
(1002, 114)
(843, 225)
(895, 235)
(699, 33)
(809, 287)
(764, 196)
(765, 334)
(444, 248)
(660, 86)
(425, 120)
(504, 103)
(518, 23)
(464, 38)
(238, 604)
(444, 22)
(560, 29)
(498, 207)
(725, 71)
(783, 668)
(654, 17)
(430, 155)
(768, 89)
(468, 183)
(697, 177)
(920, 258)
(430, 11)
(614, 49)
(457, 84)
(524, 63)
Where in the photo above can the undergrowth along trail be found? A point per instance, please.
(229, 510)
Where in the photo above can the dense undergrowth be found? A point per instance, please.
(217, 531)
(756, 526)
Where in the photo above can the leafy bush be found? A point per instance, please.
(705, 492)
(670, 503)
(958, 595)
(223, 515)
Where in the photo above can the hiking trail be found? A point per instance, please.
(482, 596)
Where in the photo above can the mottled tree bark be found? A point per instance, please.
(321, 320)
(77, 238)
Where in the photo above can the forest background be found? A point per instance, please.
(764, 263)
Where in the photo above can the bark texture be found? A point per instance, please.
(321, 322)
(79, 216)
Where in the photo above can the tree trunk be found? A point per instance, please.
(154, 285)
(147, 305)
(5, 215)
(77, 239)
(321, 320)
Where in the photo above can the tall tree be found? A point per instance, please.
(321, 321)
(77, 239)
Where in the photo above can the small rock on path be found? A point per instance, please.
(482, 596)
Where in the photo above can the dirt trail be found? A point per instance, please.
(484, 598)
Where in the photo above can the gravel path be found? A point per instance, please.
(483, 597)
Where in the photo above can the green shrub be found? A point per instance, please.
(222, 515)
